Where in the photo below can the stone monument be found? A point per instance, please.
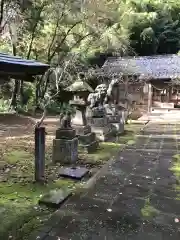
(65, 145)
(96, 113)
(111, 107)
(87, 139)
(65, 149)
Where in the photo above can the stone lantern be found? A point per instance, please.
(80, 90)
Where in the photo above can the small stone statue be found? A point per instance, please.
(96, 101)
(65, 120)
(97, 98)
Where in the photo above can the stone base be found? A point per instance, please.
(75, 173)
(65, 150)
(125, 115)
(111, 109)
(118, 128)
(55, 198)
(89, 148)
(81, 130)
(101, 127)
(103, 133)
(65, 133)
(87, 139)
(95, 112)
(98, 122)
(113, 118)
(117, 124)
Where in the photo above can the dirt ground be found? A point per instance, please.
(13, 126)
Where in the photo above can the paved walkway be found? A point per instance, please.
(136, 199)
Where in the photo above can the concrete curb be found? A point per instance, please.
(91, 182)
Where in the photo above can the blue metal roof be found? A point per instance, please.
(16, 66)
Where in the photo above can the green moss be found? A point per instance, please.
(148, 210)
(106, 150)
(18, 194)
(176, 157)
(175, 168)
(131, 142)
(17, 203)
(17, 156)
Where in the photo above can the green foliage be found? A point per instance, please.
(155, 27)
(57, 108)
(56, 31)
(148, 211)
(49, 30)
(4, 105)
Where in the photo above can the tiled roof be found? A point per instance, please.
(153, 67)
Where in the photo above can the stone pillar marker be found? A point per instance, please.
(39, 154)
(87, 139)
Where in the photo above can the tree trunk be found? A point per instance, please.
(37, 95)
(22, 92)
(14, 94)
(16, 82)
(39, 81)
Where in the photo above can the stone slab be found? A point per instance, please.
(74, 173)
(65, 151)
(55, 198)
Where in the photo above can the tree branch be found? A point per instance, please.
(53, 38)
(77, 42)
(34, 31)
(64, 38)
(39, 123)
(55, 33)
(1, 12)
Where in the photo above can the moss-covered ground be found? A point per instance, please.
(19, 195)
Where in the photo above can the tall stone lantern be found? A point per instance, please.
(80, 90)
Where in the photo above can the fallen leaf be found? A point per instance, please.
(176, 220)
(109, 210)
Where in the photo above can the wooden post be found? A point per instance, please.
(39, 154)
(149, 96)
(170, 93)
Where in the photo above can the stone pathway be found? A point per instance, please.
(135, 199)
